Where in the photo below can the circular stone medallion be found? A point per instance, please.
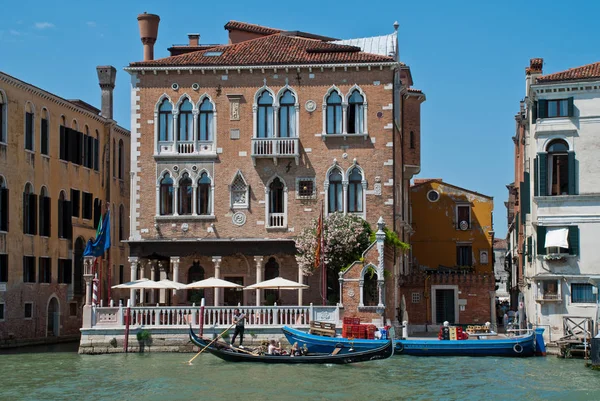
(310, 106)
(238, 218)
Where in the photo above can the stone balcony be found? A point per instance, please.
(275, 148)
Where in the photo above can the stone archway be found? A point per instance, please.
(53, 318)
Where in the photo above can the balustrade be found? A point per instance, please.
(270, 147)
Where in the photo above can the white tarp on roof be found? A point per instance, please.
(383, 45)
(557, 237)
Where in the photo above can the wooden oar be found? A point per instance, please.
(209, 344)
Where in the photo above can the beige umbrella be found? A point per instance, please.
(130, 283)
(160, 285)
(213, 283)
(277, 283)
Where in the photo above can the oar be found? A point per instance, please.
(209, 344)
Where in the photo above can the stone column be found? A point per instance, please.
(152, 266)
(88, 262)
(217, 262)
(301, 281)
(259, 269)
(175, 263)
(133, 260)
(381, 292)
(163, 274)
(142, 275)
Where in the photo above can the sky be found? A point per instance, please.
(469, 58)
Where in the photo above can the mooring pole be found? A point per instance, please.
(127, 318)
(201, 318)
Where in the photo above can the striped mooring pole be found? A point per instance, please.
(95, 291)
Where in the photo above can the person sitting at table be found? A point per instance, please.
(274, 348)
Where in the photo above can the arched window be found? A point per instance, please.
(63, 215)
(121, 223)
(204, 202)
(29, 210)
(44, 131)
(185, 195)
(29, 126)
(334, 113)
(287, 115)
(45, 212)
(558, 167)
(3, 205)
(205, 121)
(166, 195)
(87, 160)
(264, 119)
(370, 289)
(165, 121)
(121, 159)
(239, 192)
(412, 140)
(97, 151)
(356, 113)
(276, 202)
(186, 122)
(355, 191)
(335, 202)
(3, 117)
(195, 273)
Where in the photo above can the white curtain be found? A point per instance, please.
(557, 237)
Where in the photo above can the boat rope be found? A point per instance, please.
(518, 348)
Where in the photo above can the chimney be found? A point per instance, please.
(106, 78)
(148, 24)
(532, 73)
(194, 39)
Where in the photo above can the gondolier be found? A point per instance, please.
(238, 318)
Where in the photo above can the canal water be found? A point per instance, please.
(62, 374)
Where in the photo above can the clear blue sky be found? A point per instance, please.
(468, 56)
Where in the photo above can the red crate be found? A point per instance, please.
(348, 320)
(356, 320)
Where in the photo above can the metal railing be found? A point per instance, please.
(273, 147)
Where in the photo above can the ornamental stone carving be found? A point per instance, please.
(239, 218)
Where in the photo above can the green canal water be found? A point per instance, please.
(59, 373)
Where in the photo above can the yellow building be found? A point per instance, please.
(60, 162)
(452, 265)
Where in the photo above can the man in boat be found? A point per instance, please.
(238, 319)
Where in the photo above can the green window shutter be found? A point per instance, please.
(534, 112)
(525, 196)
(572, 174)
(571, 109)
(535, 177)
(573, 240)
(543, 173)
(542, 109)
(529, 250)
(541, 240)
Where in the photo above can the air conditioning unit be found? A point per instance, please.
(463, 225)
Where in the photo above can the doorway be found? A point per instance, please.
(233, 296)
(444, 304)
(53, 318)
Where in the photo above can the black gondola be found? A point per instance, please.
(226, 353)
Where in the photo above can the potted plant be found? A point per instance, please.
(554, 257)
(144, 338)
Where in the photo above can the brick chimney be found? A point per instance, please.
(194, 39)
(532, 73)
(107, 75)
(148, 24)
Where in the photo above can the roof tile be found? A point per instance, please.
(584, 72)
(244, 26)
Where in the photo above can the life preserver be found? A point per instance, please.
(399, 347)
(518, 348)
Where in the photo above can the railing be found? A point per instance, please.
(214, 316)
(276, 220)
(273, 147)
(170, 148)
(186, 147)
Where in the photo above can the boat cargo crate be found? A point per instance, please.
(322, 328)
(348, 320)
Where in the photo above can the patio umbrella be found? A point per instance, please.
(277, 283)
(160, 285)
(213, 283)
(130, 283)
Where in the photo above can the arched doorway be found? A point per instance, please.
(271, 271)
(53, 318)
(78, 288)
(195, 273)
(370, 290)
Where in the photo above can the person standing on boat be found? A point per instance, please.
(238, 319)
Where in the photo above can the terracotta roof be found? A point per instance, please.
(275, 49)
(244, 26)
(573, 74)
(414, 90)
(500, 243)
(419, 181)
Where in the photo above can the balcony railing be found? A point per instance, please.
(549, 298)
(186, 148)
(277, 220)
(275, 148)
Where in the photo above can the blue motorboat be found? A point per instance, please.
(323, 344)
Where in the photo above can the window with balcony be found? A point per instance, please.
(45, 213)
(204, 195)
(583, 293)
(29, 210)
(184, 195)
(355, 191)
(335, 198)
(166, 195)
(287, 115)
(334, 113)
(185, 130)
(239, 192)
(44, 132)
(165, 121)
(264, 118)
(3, 205)
(356, 113)
(29, 126)
(205, 121)
(276, 204)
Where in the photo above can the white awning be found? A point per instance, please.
(557, 237)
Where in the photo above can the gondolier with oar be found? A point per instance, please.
(239, 319)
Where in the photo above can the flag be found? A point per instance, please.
(102, 241)
(99, 229)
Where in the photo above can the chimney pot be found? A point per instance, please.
(194, 39)
(107, 75)
(148, 24)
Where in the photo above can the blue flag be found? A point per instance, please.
(102, 241)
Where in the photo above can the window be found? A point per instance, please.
(205, 121)
(463, 217)
(121, 223)
(185, 195)
(3, 205)
(582, 293)
(165, 121)
(3, 268)
(356, 113)
(45, 269)
(121, 274)
(72, 308)
(306, 188)
(3, 117)
(84, 155)
(239, 192)
(416, 297)
(29, 128)
(114, 158)
(204, 207)
(335, 191)
(44, 134)
(29, 269)
(464, 255)
(185, 130)
(97, 211)
(334, 113)
(166, 195)
(87, 206)
(64, 271)
(551, 290)
(75, 201)
(65, 212)
(29, 211)
(121, 159)
(558, 240)
(97, 151)
(264, 121)
(433, 195)
(287, 115)
(1, 311)
(276, 204)
(558, 167)
(412, 140)
(45, 213)
(555, 108)
(355, 191)
(28, 310)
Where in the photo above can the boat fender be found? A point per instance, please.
(399, 347)
(518, 348)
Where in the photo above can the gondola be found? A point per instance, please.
(228, 354)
